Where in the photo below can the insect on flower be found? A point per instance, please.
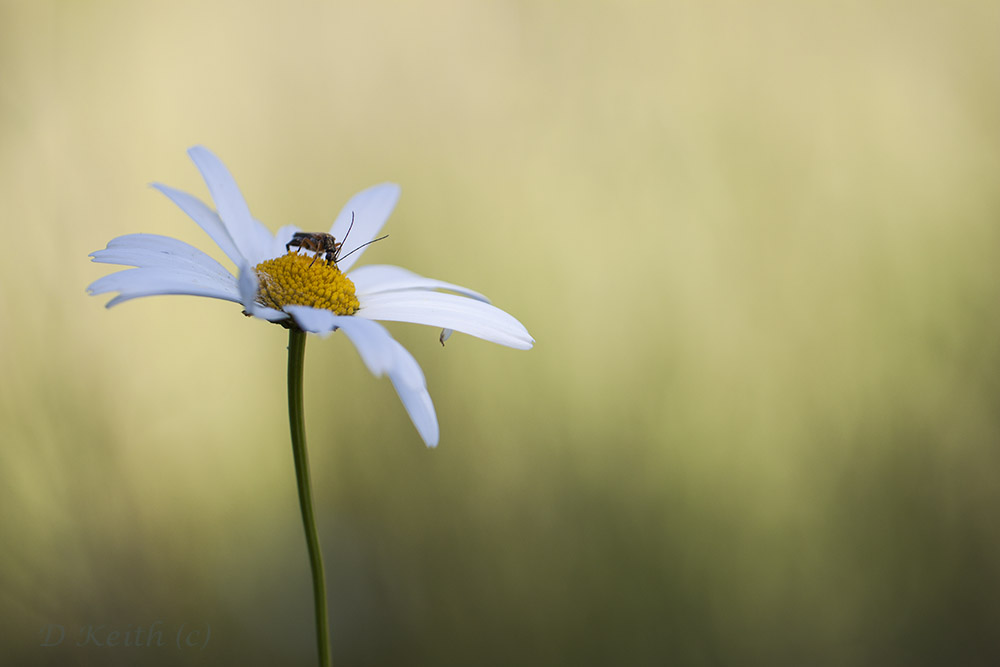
(317, 242)
(321, 243)
(333, 297)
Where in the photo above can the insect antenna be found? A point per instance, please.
(349, 228)
(362, 246)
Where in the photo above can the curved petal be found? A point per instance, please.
(247, 286)
(313, 320)
(250, 237)
(449, 312)
(370, 209)
(382, 354)
(155, 251)
(134, 283)
(419, 406)
(265, 313)
(206, 218)
(375, 278)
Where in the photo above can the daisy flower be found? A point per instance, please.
(306, 282)
(303, 281)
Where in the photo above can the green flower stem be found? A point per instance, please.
(296, 419)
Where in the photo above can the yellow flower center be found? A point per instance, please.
(302, 280)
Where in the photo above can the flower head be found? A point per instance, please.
(303, 280)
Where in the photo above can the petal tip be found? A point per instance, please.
(196, 149)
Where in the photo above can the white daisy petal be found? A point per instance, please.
(247, 285)
(152, 259)
(142, 276)
(155, 251)
(265, 313)
(370, 339)
(370, 208)
(449, 312)
(250, 237)
(206, 218)
(419, 406)
(375, 278)
(134, 283)
(405, 370)
(384, 355)
(313, 320)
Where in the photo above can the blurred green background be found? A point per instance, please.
(757, 245)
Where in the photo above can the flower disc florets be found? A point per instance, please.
(304, 280)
